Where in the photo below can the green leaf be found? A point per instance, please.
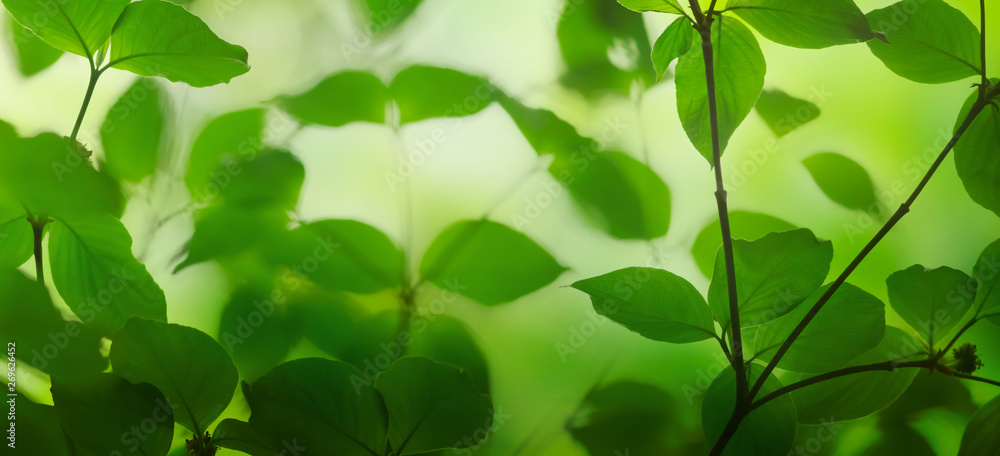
(590, 32)
(33, 54)
(981, 437)
(325, 406)
(932, 44)
(616, 193)
(96, 274)
(488, 262)
(326, 321)
(240, 436)
(739, 78)
(652, 302)
(271, 179)
(773, 275)
(928, 299)
(432, 406)
(424, 92)
(851, 323)
(16, 237)
(544, 131)
(350, 96)
(987, 274)
(79, 26)
(385, 16)
(859, 395)
(226, 231)
(673, 43)
(976, 157)
(662, 6)
(221, 147)
(743, 225)
(255, 330)
(131, 131)
(342, 255)
(51, 177)
(187, 365)
(159, 38)
(36, 426)
(105, 414)
(842, 180)
(448, 340)
(44, 340)
(784, 113)
(809, 24)
(766, 431)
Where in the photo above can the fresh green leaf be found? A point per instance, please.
(328, 322)
(932, 43)
(226, 231)
(673, 43)
(342, 255)
(424, 92)
(981, 437)
(616, 193)
(105, 414)
(859, 395)
(976, 157)
(255, 330)
(545, 132)
(773, 275)
(809, 24)
(652, 302)
(78, 26)
(219, 150)
(662, 6)
(7, 132)
(187, 365)
(96, 274)
(739, 78)
(33, 54)
(488, 262)
(842, 180)
(44, 340)
(851, 323)
(131, 131)
(36, 425)
(240, 436)
(350, 96)
(159, 38)
(744, 225)
(385, 16)
(784, 113)
(987, 274)
(271, 179)
(16, 236)
(432, 406)
(766, 431)
(325, 406)
(929, 299)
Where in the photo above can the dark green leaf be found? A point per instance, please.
(981, 437)
(652, 302)
(739, 78)
(104, 414)
(187, 365)
(769, 430)
(616, 193)
(810, 24)
(546, 132)
(33, 54)
(159, 38)
(15, 235)
(132, 129)
(350, 96)
(44, 340)
(976, 157)
(843, 180)
(255, 330)
(851, 323)
(432, 406)
(326, 321)
(488, 262)
(773, 275)
(240, 436)
(784, 113)
(744, 225)
(37, 428)
(226, 231)
(859, 395)
(424, 92)
(219, 150)
(662, 6)
(673, 43)
(78, 26)
(271, 179)
(987, 274)
(96, 274)
(324, 406)
(448, 340)
(929, 299)
(931, 42)
(385, 16)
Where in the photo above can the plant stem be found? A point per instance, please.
(95, 74)
(978, 379)
(982, 46)
(38, 231)
(903, 209)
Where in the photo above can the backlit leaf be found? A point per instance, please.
(930, 300)
(424, 92)
(810, 24)
(33, 54)
(976, 157)
(784, 113)
(743, 225)
(766, 431)
(131, 131)
(673, 43)
(77, 26)
(843, 180)
(350, 96)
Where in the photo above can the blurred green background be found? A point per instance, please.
(891, 126)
